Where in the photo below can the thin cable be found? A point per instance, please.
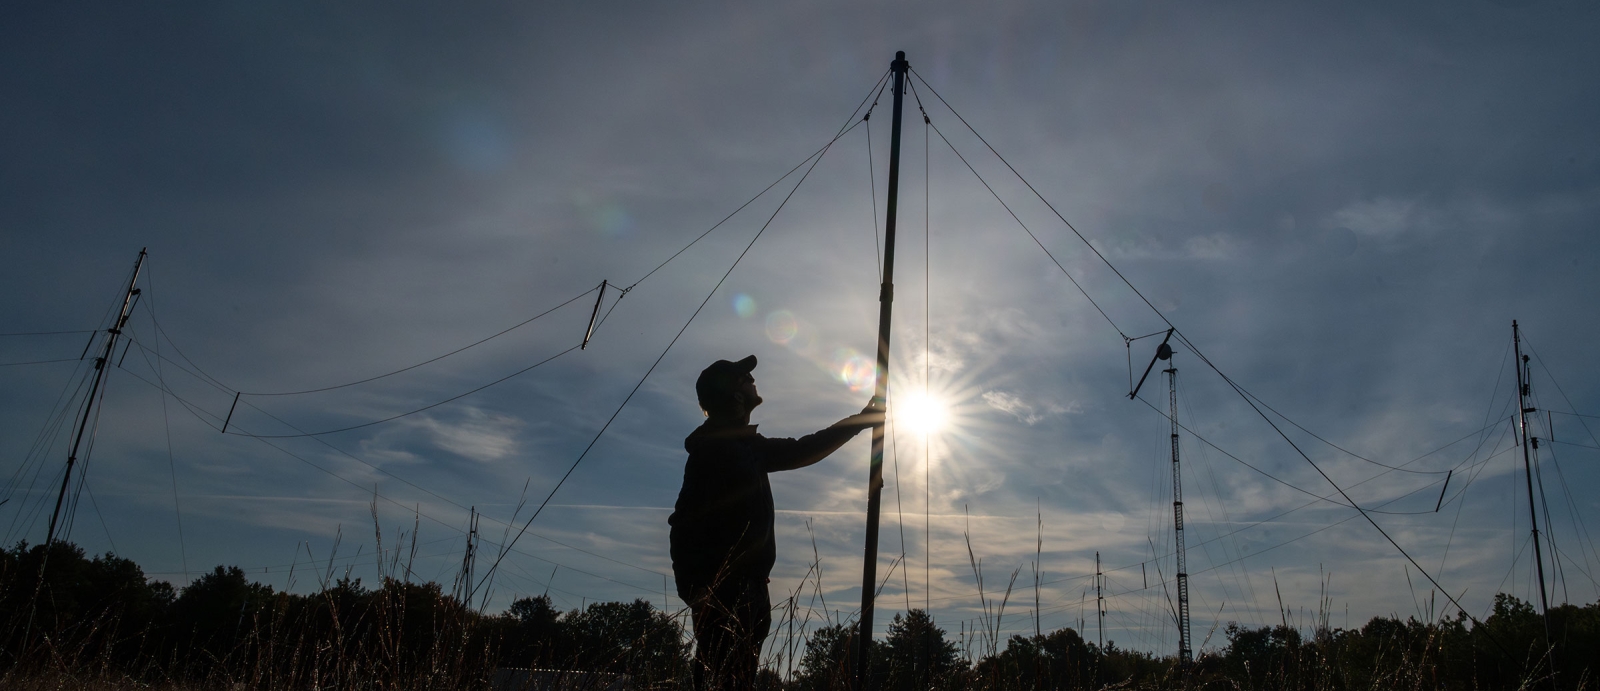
(1269, 519)
(166, 425)
(373, 422)
(1586, 544)
(872, 180)
(1215, 566)
(674, 341)
(1274, 478)
(42, 447)
(38, 362)
(625, 290)
(102, 516)
(47, 333)
(1336, 446)
(44, 442)
(842, 130)
(410, 412)
(1196, 351)
(1477, 467)
(927, 371)
(1579, 569)
(474, 344)
(197, 412)
(145, 353)
(1222, 505)
(1488, 410)
(1544, 502)
(899, 515)
(99, 404)
(162, 333)
(1025, 228)
(1364, 512)
(1569, 402)
(1008, 208)
(1574, 410)
(1047, 203)
(814, 159)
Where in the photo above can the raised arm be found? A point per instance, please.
(789, 454)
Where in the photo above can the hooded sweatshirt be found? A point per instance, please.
(722, 524)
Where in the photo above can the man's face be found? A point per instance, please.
(744, 389)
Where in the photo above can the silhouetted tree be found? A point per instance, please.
(1056, 660)
(212, 616)
(101, 620)
(828, 662)
(628, 638)
(915, 654)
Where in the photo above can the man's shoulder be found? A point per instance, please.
(708, 437)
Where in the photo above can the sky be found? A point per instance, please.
(1341, 208)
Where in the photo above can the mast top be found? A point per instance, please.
(899, 64)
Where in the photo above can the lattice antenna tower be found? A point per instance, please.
(1164, 354)
(1185, 653)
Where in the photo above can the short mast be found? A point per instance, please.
(869, 568)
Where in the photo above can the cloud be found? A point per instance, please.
(1214, 246)
(1381, 217)
(1028, 413)
(472, 433)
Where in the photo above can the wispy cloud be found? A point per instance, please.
(1028, 412)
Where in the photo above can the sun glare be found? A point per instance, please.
(922, 413)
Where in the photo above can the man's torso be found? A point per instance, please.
(722, 523)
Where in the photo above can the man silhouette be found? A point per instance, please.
(722, 525)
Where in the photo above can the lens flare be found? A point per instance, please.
(782, 327)
(854, 369)
(744, 305)
(921, 413)
(610, 219)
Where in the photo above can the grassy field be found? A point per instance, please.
(98, 623)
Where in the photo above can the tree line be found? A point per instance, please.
(68, 619)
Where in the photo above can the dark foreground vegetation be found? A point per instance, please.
(99, 623)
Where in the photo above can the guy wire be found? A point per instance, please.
(167, 389)
(474, 344)
(686, 324)
(196, 411)
(166, 425)
(1201, 356)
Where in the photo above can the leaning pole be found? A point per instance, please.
(869, 567)
(101, 365)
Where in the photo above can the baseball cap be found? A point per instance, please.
(717, 382)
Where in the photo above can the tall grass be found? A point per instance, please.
(70, 621)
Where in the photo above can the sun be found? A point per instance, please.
(921, 413)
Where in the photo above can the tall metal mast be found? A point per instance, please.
(1523, 385)
(1185, 654)
(88, 403)
(869, 567)
(1164, 352)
